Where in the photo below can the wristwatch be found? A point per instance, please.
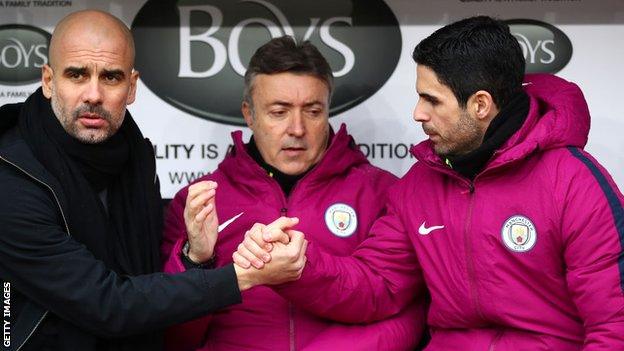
(189, 263)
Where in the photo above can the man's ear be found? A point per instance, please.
(134, 77)
(46, 80)
(482, 106)
(247, 114)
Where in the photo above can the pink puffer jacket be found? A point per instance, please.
(336, 202)
(529, 256)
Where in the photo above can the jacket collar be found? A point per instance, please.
(13, 148)
(341, 154)
(558, 117)
(17, 154)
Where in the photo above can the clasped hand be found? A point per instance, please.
(274, 253)
(269, 254)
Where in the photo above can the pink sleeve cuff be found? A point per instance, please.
(174, 262)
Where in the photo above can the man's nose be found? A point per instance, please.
(296, 126)
(92, 93)
(419, 114)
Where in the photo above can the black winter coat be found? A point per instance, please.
(53, 279)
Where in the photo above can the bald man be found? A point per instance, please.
(80, 212)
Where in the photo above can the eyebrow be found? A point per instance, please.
(83, 70)
(114, 72)
(288, 104)
(429, 97)
(280, 103)
(75, 70)
(313, 103)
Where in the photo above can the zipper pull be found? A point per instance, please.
(283, 211)
(471, 189)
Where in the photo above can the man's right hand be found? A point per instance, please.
(255, 250)
(286, 263)
(200, 217)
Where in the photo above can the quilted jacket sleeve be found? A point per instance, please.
(593, 232)
(377, 281)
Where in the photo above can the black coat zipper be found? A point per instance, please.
(58, 203)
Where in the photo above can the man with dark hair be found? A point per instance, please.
(80, 213)
(294, 164)
(284, 55)
(442, 53)
(515, 230)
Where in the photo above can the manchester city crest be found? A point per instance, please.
(519, 234)
(341, 219)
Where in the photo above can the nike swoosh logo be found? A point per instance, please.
(425, 231)
(226, 223)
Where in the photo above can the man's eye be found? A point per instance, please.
(278, 113)
(75, 75)
(314, 112)
(431, 101)
(111, 78)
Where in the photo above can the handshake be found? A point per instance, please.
(268, 255)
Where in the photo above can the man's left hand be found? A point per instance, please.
(200, 217)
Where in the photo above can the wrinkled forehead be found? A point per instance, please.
(82, 43)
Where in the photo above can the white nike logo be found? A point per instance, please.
(425, 231)
(226, 223)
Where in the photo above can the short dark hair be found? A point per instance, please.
(476, 53)
(283, 54)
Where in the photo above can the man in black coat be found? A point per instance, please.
(80, 215)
